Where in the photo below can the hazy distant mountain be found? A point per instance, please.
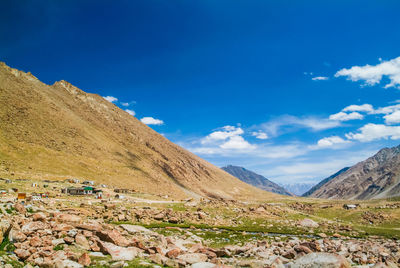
(298, 188)
(59, 131)
(324, 181)
(376, 177)
(255, 179)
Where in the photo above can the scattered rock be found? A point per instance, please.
(39, 216)
(20, 208)
(84, 259)
(192, 258)
(81, 241)
(321, 260)
(309, 223)
(119, 253)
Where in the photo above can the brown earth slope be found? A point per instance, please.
(59, 131)
(376, 177)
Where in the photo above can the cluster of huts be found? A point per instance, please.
(86, 188)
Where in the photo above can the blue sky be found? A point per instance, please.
(260, 84)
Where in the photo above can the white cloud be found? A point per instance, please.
(331, 141)
(393, 118)
(151, 121)
(237, 147)
(236, 142)
(371, 132)
(320, 78)
(224, 140)
(131, 112)
(260, 135)
(387, 109)
(223, 134)
(126, 104)
(289, 123)
(359, 108)
(110, 98)
(342, 116)
(373, 74)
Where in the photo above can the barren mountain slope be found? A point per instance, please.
(376, 177)
(59, 131)
(323, 182)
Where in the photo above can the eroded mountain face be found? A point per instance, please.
(376, 177)
(60, 131)
(255, 179)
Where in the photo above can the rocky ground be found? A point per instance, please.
(112, 234)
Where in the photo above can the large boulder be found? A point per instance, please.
(20, 208)
(39, 216)
(192, 258)
(321, 260)
(84, 259)
(68, 218)
(22, 254)
(67, 264)
(16, 236)
(119, 253)
(113, 236)
(309, 223)
(33, 226)
(90, 225)
(81, 241)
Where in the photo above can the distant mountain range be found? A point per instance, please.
(376, 177)
(255, 179)
(298, 188)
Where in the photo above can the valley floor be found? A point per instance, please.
(142, 230)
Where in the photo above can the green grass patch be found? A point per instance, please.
(59, 247)
(7, 245)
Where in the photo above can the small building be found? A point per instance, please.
(122, 191)
(8, 181)
(98, 193)
(36, 197)
(73, 180)
(35, 184)
(119, 196)
(73, 191)
(21, 196)
(350, 206)
(88, 182)
(2, 191)
(44, 195)
(88, 190)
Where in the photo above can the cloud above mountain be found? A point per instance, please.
(110, 98)
(151, 121)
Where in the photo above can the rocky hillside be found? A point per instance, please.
(324, 181)
(59, 131)
(255, 179)
(376, 177)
